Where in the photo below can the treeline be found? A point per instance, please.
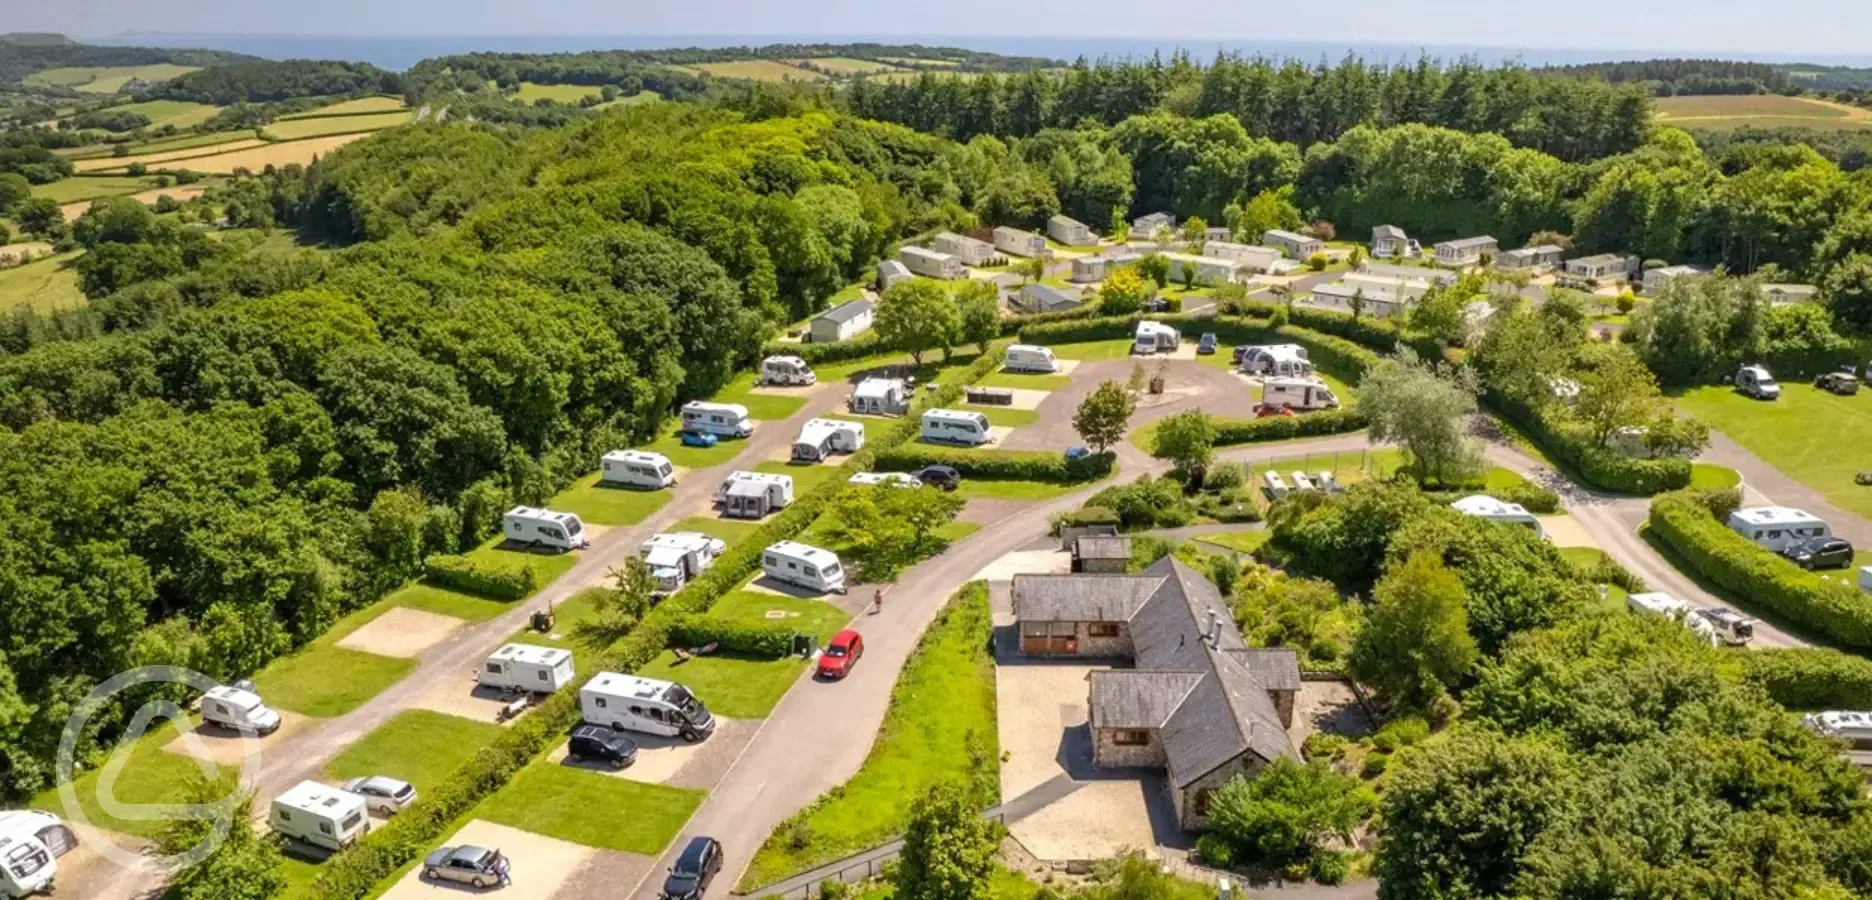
(262, 81)
(18, 60)
(1850, 150)
(1286, 101)
(471, 73)
(1668, 77)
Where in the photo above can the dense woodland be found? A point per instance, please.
(262, 81)
(1669, 77)
(20, 58)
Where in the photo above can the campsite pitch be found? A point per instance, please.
(402, 632)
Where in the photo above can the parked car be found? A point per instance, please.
(1820, 553)
(1267, 412)
(602, 743)
(1207, 344)
(1839, 383)
(945, 477)
(1241, 350)
(467, 864)
(696, 438)
(1073, 453)
(384, 796)
(689, 878)
(841, 653)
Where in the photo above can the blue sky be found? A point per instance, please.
(1785, 27)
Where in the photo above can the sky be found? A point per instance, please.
(1797, 27)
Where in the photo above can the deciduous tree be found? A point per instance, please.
(1288, 810)
(917, 316)
(979, 303)
(1187, 440)
(1411, 403)
(1415, 646)
(948, 849)
(1104, 414)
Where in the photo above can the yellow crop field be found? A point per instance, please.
(305, 128)
(848, 66)
(1726, 112)
(351, 107)
(558, 93)
(156, 160)
(758, 70)
(253, 159)
(180, 113)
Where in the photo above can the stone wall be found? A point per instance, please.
(1106, 751)
(1247, 765)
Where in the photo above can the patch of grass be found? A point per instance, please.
(815, 617)
(150, 775)
(569, 94)
(996, 489)
(1092, 351)
(766, 407)
(1709, 477)
(849, 65)
(180, 113)
(420, 746)
(1246, 541)
(351, 107)
(190, 142)
(1724, 112)
(940, 726)
(293, 129)
(1025, 381)
(546, 566)
(79, 189)
(1500, 479)
(300, 872)
(602, 504)
(1802, 434)
(805, 476)
(279, 153)
(442, 601)
(592, 809)
(730, 530)
(104, 79)
(758, 70)
(567, 615)
(671, 446)
(1005, 416)
(736, 687)
(327, 681)
(43, 286)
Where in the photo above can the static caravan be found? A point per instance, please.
(1070, 231)
(1407, 273)
(843, 322)
(1543, 256)
(637, 468)
(1656, 279)
(320, 815)
(679, 556)
(1603, 268)
(1389, 240)
(1044, 298)
(1020, 243)
(787, 371)
(1777, 527)
(1285, 360)
(751, 495)
(1853, 727)
(804, 565)
(1155, 337)
(1258, 259)
(820, 438)
(31, 841)
(969, 251)
(1030, 358)
(525, 667)
(1205, 269)
(239, 710)
(723, 419)
(894, 479)
(1296, 246)
(1304, 394)
(891, 272)
(931, 263)
(1483, 506)
(544, 528)
(954, 426)
(881, 397)
(635, 703)
(1087, 269)
(1144, 227)
(1465, 252)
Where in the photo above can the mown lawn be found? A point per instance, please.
(325, 680)
(1803, 434)
(43, 285)
(442, 601)
(818, 618)
(592, 809)
(546, 565)
(420, 746)
(558, 93)
(1245, 541)
(694, 457)
(1709, 476)
(996, 489)
(806, 476)
(604, 504)
(567, 615)
(729, 530)
(150, 775)
(942, 707)
(765, 407)
(1026, 381)
(80, 188)
(1004, 416)
(736, 687)
(1093, 351)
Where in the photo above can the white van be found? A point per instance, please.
(752, 495)
(679, 556)
(320, 815)
(524, 667)
(544, 528)
(635, 703)
(239, 710)
(1030, 358)
(787, 371)
(1297, 393)
(724, 419)
(1483, 506)
(804, 565)
(31, 841)
(1777, 527)
(881, 397)
(820, 438)
(1852, 726)
(954, 426)
(1155, 337)
(637, 468)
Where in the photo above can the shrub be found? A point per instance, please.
(508, 581)
(1374, 764)
(1329, 866)
(1215, 850)
(1811, 678)
(1091, 515)
(1535, 498)
(1573, 444)
(1324, 745)
(1317, 262)
(1145, 503)
(834, 890)
(1011, 465)
(1230, 432)
(1400, 733)
(831, 351)
(762, 639)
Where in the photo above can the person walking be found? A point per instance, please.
(877, 602)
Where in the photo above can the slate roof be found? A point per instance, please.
(1048, 298)
(1081, 598)
(846, 312)
(1127, 698)
(1388, 231)
(1103, 547)
(1065, 222)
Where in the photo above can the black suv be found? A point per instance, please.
(598, 743)
(1820, 553)
(694, 869)
(945, 477)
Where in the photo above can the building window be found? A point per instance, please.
(1102, 629)
(1199, 802)
(1130, 737)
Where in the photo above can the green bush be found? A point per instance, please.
(1091, 515)
(1225, 475)
(1009, 465)
(1145, 503)
(1533, 497)
(1400, 733)
(830, 351)
(1324, 745)
(508, 581)
(1329, 866)
(1572, 444)
(1381, 335)
(1230, 432)
(1831, 608)
(1374, 764)
(1811, 678)
(761, 639)
(1215, 850)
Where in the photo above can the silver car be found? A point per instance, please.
(467, 864)
(384, 796)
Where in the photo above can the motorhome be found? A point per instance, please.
(724, 419)
(1155, 337)
(239, 710)
(637, 468)
(31, 841)
(787, 371)
(1288, 360)
(1483, 506)
(805, 566)
(544, 528)
(677, 557)
(525, 667)
(1777, 527)
(895, 479)
(954, 426)
(635, 703)
(820, 438)
(752, 495)
(320, 815)
(1731, 627)
(1297, 393)
(880, 397)
(1757, 382)
(1030, 358)
(1851, 726)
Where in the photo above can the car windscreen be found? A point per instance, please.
(835, 650)
(679, 697)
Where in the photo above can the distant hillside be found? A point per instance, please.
(23, 54)
(265, 81)
(35, 39)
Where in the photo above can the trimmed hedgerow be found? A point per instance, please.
(507, 581)
(829, 351)
(1230, 432)
(1005, 465)
(1572, 444)
(1811, 677)
(759, 639)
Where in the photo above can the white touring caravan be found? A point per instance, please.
(1155, 337)
(31, 841)
(954, 426)
(751, 495)
(320, 815)
(635, 703)
(678, 556)
(1030, 358)
(544, 528)
(1851, 726)
(1297, 393)
(820, 438)
(637, 468)
(787, 371)
(1288, 360)
(723, 419)
(895, 479)
(881, 397)
(524, 667)
(804, 565)
(1662, 604)
(1483, 506)
(1777, 527)
(233, 708)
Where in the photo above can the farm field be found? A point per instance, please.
(277, 154)
(914, 61)
(895, 77)
(180, 113)
(238, 140)
(632, 100)
(177, 193)
(91, 187)
(1801, 434)
(849, 66)
(757, 70)
(558, 93)
(306, 128)
(104, 79)
(43, 285)
(1760, 111)
(351, 108)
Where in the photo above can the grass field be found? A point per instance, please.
(443, 601)
(1026, 381)
(546, 565)
(805, 477)
(943, 703)
(767, 407)
(1004, 416)
(1802, 434)
(1247, 541)
(351, 107)
(309, 128)
(815, 617)
(567, 615)
(91, 187)
(150, 775)
(180, 113)
(104, 79)
(693, 457)
(1093, 351)
(605, 505)
(1759, 111)
(849, 66)
(915, 61)
(1709, 476)
(43, 285)
(592, 809)
(157, 152)
(736, 687)
(632, 100)
(758, 70)
(326, 681)
(730, 530)
(997, 489)
(558, 93)
(283, 153)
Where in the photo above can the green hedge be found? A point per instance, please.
(1604, 468)
(1343, 358)
(860, 347)
(1828, 607)
(508, 581)
(1230, 432)
(1379, 334)
(1811, 678)
(1532, 497)
(762, 639)
(1005, 465)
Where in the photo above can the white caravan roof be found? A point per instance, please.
(320, 799)
(1771, 516)
(732, 410)
(1030, 348)
(628, 687)
(1149, 327)
(818, 431)
(804, 552)
(903, 479)
(531, 655)
(646, 457)
(759, 478)
(233, 696)
(789, 360)
(27, 822)
(1658, 602)
(879, 387)
(1490, 508)
(1277, 352)
(543, 515)
(956, 415)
